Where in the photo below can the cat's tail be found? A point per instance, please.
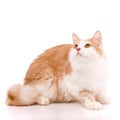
(21, 95)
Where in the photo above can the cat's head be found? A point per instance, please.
(88, 48)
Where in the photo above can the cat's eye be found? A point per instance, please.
(87, 45)
(76, 45)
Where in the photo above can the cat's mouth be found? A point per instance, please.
(79, 54)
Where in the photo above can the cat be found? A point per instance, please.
(65, 73)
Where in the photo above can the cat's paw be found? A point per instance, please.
(43, 101)
(94, 106)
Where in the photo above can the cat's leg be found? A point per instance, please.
(42, 100)
(88, 100)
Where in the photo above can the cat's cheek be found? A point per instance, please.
(89, 53)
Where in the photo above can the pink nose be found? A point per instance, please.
(78, 49)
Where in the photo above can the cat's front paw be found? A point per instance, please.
(94, 105)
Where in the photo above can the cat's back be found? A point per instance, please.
(52, 61)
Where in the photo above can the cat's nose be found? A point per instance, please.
(78, 49)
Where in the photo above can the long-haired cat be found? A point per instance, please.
(65, 73)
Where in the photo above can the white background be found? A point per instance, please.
(28, 27)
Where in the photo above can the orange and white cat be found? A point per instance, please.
(65, 73)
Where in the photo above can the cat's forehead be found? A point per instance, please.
(83, 42)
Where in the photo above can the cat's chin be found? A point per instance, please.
(79, 54)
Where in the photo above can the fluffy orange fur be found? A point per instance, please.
(53, 61)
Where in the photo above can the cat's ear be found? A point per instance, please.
(97, 38)
(75, 38)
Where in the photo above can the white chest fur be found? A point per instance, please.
(88, 74)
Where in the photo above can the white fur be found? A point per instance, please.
(28, 94)
(47, 90)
